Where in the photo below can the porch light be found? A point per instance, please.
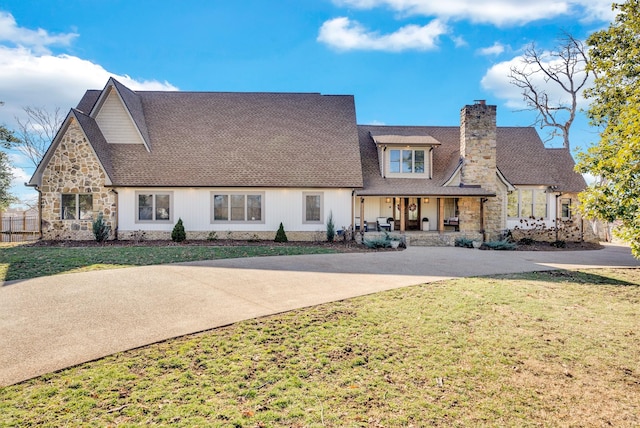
(425, 200)
(388, 200)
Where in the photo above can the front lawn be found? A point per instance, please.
(556, 348)
(28, 261)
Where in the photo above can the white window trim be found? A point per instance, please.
(562, 202)
(77, 212)
(154, 193)
(426, 163)
(304, 207)
(533, 203)
(212, 196)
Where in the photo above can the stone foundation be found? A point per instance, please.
(568, 231)
(150, 235)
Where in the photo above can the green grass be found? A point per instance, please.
(540, 349)
(23, 262)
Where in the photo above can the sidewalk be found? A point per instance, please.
(55, 322)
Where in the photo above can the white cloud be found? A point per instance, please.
(496, 80)
(344, 34)
(497, 12)
(496, 49)
(30, 75)
(38, 40)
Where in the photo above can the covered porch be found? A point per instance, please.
(427, 213)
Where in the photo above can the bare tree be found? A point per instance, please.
(36, 132)
(564, 67)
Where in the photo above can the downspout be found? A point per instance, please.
(39, 211)
(115, 222)
(353, 215)
(482, 231)
(557, 217)
(384, 161)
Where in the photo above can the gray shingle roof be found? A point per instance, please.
(520, 156)
(239, 139)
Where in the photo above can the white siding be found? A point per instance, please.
(280, 205)
(116, 123)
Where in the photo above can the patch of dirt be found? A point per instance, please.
(569, 246)
(340, 246)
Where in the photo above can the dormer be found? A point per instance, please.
(405, 156)
(119, 115)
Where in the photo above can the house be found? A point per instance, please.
(238, 164)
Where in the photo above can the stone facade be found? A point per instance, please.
(74, 169)
(478, 151)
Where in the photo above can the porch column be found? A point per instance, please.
(440, 215)
(402, 211)
(362, 217)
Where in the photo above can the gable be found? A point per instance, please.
(116, 122)
(73, 141)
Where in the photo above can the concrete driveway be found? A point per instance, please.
(55, 322)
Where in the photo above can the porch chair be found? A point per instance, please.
(366, 226)
(383, 223)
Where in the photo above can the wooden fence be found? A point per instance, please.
(19, 228)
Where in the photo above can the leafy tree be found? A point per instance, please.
(6, 137)
(280, 235)
(615, 107)
(6, 176)
(565, 67)
(178, 234)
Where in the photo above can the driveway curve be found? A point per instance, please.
(50, 323)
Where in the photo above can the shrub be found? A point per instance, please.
(526, 241)
(331, 228)
(280, 235)
(212, 236)
(100, 229)
(380, 242)
(178, 234)
(464, 242)
(503, 245)
(559, 244)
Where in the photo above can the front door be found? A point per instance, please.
(411, 213)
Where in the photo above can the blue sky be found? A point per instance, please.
(407, 62)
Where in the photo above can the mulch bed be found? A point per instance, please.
(340, 246)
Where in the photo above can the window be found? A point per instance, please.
(237, 207)
(312, 207)
(153, 207)
(525, 203)
(406, 161)
(565, 209)
(77, 207)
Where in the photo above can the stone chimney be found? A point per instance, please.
(478, 145)
(478, 151)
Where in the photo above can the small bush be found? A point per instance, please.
(178, 234)
(212, 236)
(280, 235)
(331, 228)
(464, 242)
(526, 241)
(559, 244)
(100, 229)
(381, 242)
(500, 245)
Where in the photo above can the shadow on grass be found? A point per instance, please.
(602, 277)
